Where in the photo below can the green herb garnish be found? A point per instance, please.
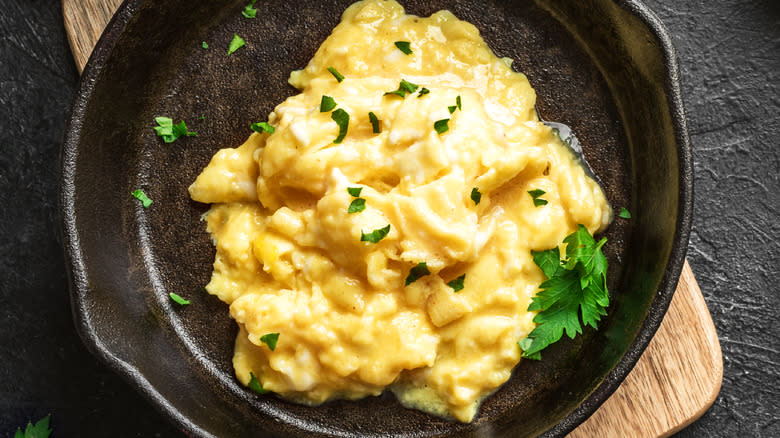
(421, 270)
(141, 196)
(341, 118)
(575, 290)
(204, 44)
(327, 103)
(476, 196)
(170, 132)
(270, 340)
(357, 205)
(452, 109)
(39, 430)
(376, 235)
(249, 11)
(404, 88)
(178, 299)
(535, 194)
(404, 46)
(457, 102)
(441, 126)
(457, 284)
(375, 126)
(236, 43)
(354, 191)
(624, 213)
(262, 127)
(336, 74)
(423, 92)
(256, 386)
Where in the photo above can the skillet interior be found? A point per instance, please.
(607, 73)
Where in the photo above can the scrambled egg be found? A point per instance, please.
(292, 259)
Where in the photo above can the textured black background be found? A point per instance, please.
(730, 59)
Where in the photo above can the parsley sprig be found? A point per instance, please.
(38, 430)
(574, 293)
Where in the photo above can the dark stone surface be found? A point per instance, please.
(730, 58)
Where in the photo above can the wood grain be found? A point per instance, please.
(675, 381)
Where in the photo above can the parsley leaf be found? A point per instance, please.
(376, 235)
(423, 92)
(204, 44)
(404, 87)
(441, 126)
(262, 127)
(476, 196)
(178, 299)
(404, 46)
(535, 194)
(336, 74)
(170, 132)
(341, 118)
(457, 284)
(421, 270)
(574, 293)
(376, 128)
(452, 109)
(249, 11)
(624, 213)
(235, 44)
(256, 386)
(39, 430)
(354, 191)
(357, 205)
(270, 340)
(141, 196)
(327, 103)
(457, 102)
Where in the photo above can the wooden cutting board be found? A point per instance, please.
(675, 381)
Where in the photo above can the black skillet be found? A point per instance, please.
(604, 67)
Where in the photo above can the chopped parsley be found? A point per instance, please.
(341, 118)
(452, 109)
(327, 103)
(376, 235)
(441, 126)
(262, 127)
(574, 292)
(376, 128)
(423, 92)
(357, 205)
(404, 46)
(624, 213)
(404, 88)
(236, 43)
(178, 299)
(270, 340)
(336, 74)
(354, 191)
(476, 196)
(256, 386)
(249, 10)
(457, 102)
(141, 196)
(39, 430)
(535, 194)
(204, 44)
(457, 284)
(170, 132)
(421, 270)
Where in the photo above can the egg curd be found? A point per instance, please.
(368, 297)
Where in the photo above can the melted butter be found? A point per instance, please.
(290, 259)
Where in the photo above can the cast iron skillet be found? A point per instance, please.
(604, 67)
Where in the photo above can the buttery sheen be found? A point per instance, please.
(289, 256)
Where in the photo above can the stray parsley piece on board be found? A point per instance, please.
(39, 430)
(457, 284)
(204, 44)
(441, 126)
(624, 213)
(327, 103)
(262, 127)
(404, 88)
(357, 205)
(376, 235)
(535, 194)
(423, 92)
(476, 196)
(270, 340)
(574, 293)
(341, 118)
(421, 270)
(354, 191)
(178, 299)
(170, 132)
(336, 74)
(141, 196)
(235, 44)
(375, 126)
(404, 46)
(256, 386)
(249, 10)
